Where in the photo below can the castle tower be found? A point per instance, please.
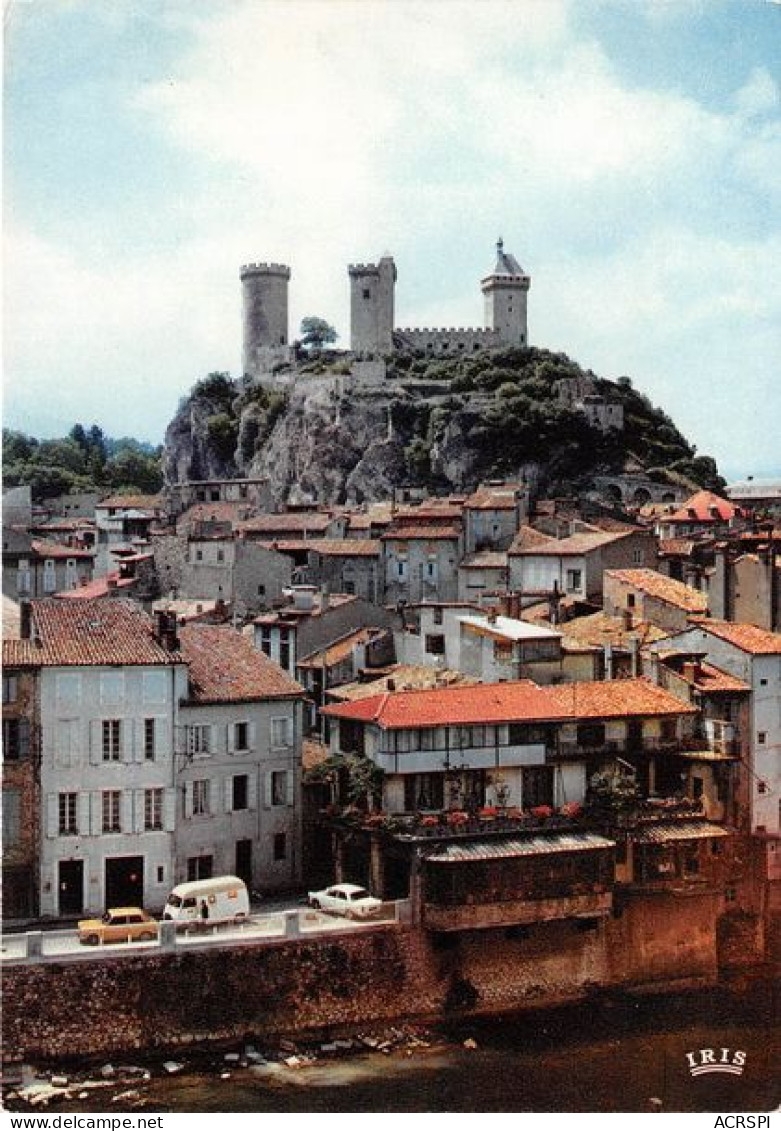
(264, 288)
(372, 293)
(505, 291)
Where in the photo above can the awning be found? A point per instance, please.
(706, 756)
(478, 850)
(683, 830)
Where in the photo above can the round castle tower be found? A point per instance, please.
(264, 290)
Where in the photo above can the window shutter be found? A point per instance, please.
(188, 799)
(96, 813)
(213, 805)
(138, 728)
(52, 814)
(162, 739)
(126, 811)
(96, 741)
(126, 740)
(252, 791)
(83, 814)
(228, 784)
(214, 738)
(169, 810)
(138, 810)
(24, 738)
(230, 738)
(290, 782)
(267, 792)
(252, 736)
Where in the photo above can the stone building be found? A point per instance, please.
(265, 295)
(648, 596)
(21, 775)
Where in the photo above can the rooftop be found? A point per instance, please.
(485, 559)
(509, 628)
(403, 531)
(290, 522)
(494, 498)
(54, 550)
(748, 637)
(97, 588)
(521, 701)
(704, 506)
(132, 502)
(598, 629)
(327, 547)
(583, 542)
(662, 588)
(225, 667)
(338, 651)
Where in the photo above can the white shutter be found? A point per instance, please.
(188, 799)
(126, 740)
(138, 727)
(252, 791)
(267, 791)
(96, 741)
(138, 810)
(290, 782)
(83, 814)
(52, 814)
(169, 810)
(96, 813)
(162, 739)
(228, 783)
(252, 736)
(230, 738)
(126, 811)
(214, 793)
(214, 738)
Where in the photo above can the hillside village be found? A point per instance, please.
(546, 722)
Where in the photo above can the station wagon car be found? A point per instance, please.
(119, 924)
(346, 899)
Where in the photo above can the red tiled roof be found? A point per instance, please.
(662, 588)
(710, 679)
(528, 537)
(748, 637)
(96, 633)
(485, 559)
(328, 547)
(581, 543)
(493, 499)
(132, 502)
(232, 511)
(512, 702)
(225, 667)
(405, 531)
(99, 587)
(20, 653)
(294, 521)
(55, 550)
(679, 546)
(338, 651)
(701, 504)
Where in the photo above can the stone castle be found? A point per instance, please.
(372, 304)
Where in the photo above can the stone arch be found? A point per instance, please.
(614, 493)
(668, 497)
(641, 496)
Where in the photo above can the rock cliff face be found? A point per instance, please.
(327, 432)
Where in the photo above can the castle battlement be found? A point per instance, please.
(363, 269)
(265, 269)
(445, 330)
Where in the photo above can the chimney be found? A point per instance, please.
(325, 598)
(25, 620)
(390, 684)
(165, 630)
(627, 620)
(691, 670)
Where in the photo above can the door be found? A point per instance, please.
(125, 881)
(70, 887)
(244, 861)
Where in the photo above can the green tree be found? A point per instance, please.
(316, 332)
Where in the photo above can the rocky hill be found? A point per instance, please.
(330, 431)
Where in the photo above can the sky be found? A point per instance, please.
(629, 154)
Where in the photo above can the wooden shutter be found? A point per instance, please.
(169, 810)
(252, 791)
(126, 740)
(230, 738)
(52, 814)
(96, 741)
(82, 814)
(188, 799)
(291, 788)
(252, 736)
(126, 811)
(139, 798)
(267, 791)
(228, 791)
(138, 728)
(96, 813)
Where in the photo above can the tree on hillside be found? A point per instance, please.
(316, 332)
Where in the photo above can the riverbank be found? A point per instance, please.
(610, 1054)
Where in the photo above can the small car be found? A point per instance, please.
(346, 899)
(119, 924)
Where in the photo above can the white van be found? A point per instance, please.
(220, 898)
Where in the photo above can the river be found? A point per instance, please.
(602, 1056)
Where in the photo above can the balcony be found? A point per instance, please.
(517, 913)
(468, 758)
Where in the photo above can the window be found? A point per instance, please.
(537, 786)
(198, 739)
(367, 293)
(220, 555)
(698, 788)
(435, 645)
(16, 739)
(240, 791)
(10, 688)
(112, 737)
(280, 732)
(200, 867)
(68, 823)
(669, 730)
(49, 579)
(201, 797)
(424, 791)
(280, 846)
(431, 569)
(574, 580)
(199, 555)
(153, 809)
(630, 600)
(261, 590)
(438, 616)
(241, 736)
(265, 641)
(591, 734)
(401, 568)
(111, 811)
(284, 650)
(279, 787)
(503, 650)
(762, 737)
(160, 873)
(638, 557)
(12, 807)
(149, 740)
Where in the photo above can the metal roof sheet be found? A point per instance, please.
(679, 830)
(528, 846)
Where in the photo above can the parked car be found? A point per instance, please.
(346, 899)
(119, 924)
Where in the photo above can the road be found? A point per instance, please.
(268, 925)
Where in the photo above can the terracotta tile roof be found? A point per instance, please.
(338, 651)
(748, 637)
(289, 613)
(133, 502)
(513, 702)
(287, 523)
(493, 498)
(598, 629)
(20, 654)
(225, 667)
(485, 559)
(584, 542)
(232, 512)
(55, 550)
(710, 679)
(99, 587)
(404, 677)
(90, 632)
(406, 531)
(662, 588)
(678, 546)
(328, 547)
(701, 504)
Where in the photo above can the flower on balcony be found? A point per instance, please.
(429, 822)
(457, 818)
(488, 811)
(571, 809)
(541, 812)
(375, 820)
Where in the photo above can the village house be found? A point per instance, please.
(123, 522)
(703, 514)
(250, 494)
(744, 584)
(651, 597)
(295, 525)
(341, 565)
(238, 754)
(33, 567)
(421, 558)
(493, 515)
(483, 575)
(21, 778)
